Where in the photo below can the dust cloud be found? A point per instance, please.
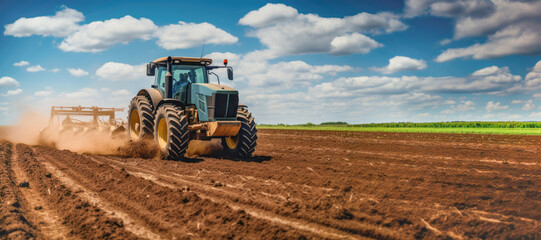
(197, 147)
(32, 129)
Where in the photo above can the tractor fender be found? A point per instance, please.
(175, 102)
(153, 94)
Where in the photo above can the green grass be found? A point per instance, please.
(454, 127)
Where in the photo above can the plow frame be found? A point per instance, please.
(94, 112)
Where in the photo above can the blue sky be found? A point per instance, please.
(294, 61)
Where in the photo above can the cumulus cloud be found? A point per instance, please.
(81, 93)
(8, 82)
(21, 64)
(121, 92)
(353, 43)
(100, 35)
(77, 72)
(261, 75)
(533, 78)
(55, 70)
(44, 93)
(115, 71)
(464, 105)
(63, 23)
(535, 115)
(512, 27)
(268, 15)
(482, 81)
(402, 63)
(522, 39)
(284, 31)
(13, 92)
(36, 68)
(186, 35)
(446, 8)
(527, 104)
(492, 106)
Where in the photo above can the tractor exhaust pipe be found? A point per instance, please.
(168, 80)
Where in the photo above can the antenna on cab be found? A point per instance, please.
(202, 49)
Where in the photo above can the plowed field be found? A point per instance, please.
(300, 184)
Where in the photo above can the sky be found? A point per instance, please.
(294, 61)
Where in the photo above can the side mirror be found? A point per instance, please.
(151, 69)
(230, 73)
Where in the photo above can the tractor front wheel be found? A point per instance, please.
(140, 118)
(171, 131)
(243, 144)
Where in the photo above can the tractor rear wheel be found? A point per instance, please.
(171, 131)
(243, 144)
(140, 119)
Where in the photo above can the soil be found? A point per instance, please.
(298, 185)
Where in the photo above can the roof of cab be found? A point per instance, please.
(184, 59)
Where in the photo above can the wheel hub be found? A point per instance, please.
(135, 128)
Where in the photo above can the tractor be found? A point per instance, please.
(182, 106)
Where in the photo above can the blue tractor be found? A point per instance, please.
(182, 106)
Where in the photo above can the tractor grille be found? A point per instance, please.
(225, 105)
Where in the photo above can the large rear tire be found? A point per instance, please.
(244, 143)
(140, 119)
(171, 131)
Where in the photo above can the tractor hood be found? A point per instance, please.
(213, 101)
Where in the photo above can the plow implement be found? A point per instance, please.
(83, 121)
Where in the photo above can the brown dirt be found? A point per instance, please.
(299, 184)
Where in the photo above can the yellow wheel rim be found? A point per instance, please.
(232, 141)
(135, 124)
(162, 133)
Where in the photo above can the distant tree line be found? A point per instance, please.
(450, 125)
(425, 125)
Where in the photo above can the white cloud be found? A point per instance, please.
(81, 93)
(44, 93)
(186, 35)
(446, 8)
(512, 27)
(121, 92)
(527, 104)
(492, 106)
(401, 63)
(8, 82)
(77, 72)
(100, 35)
(121, 72)
(533, 78)
(13, 92)
(498, 81)
(218, 57)
(261, 75)
(535, 115)
(21, 64)
(515, 116)
(464, 105)
(268, 15)
(284, 31)
(36, 68)
(61, 24)
(522, 39)
(55, 70)
(3, 109)
(537, 95)
(353, 43)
